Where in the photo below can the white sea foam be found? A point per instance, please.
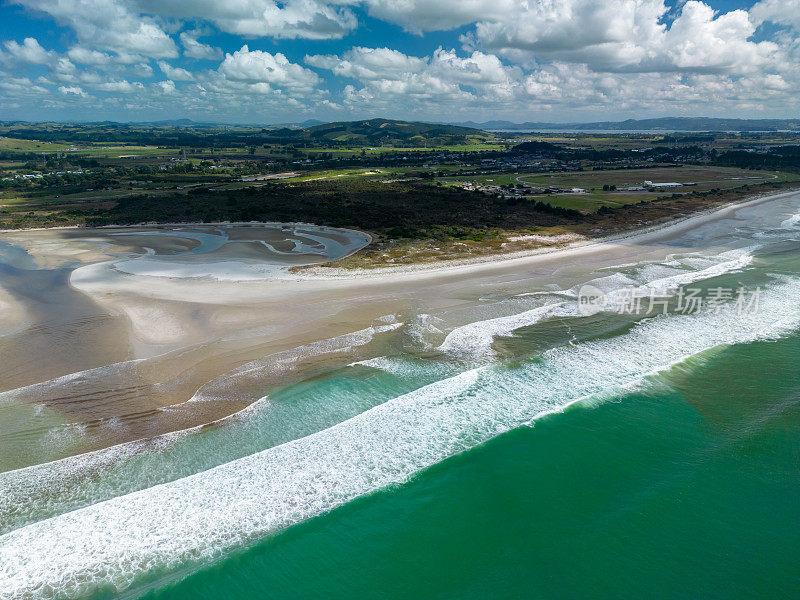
(219, 388)
(474, 340)
(45, 490)
(423, 328)
(426, 371)
(792, 222)
(733, 261)
(199, 518)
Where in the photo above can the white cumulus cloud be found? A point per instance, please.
(782, 12)
(72, 90)
(429, 15)
(195, 49)
(165, 87)
(626, 35)
(121, 87)
(174, 73)
(85, 56)
(30, 51)
(309, 19)
(257, 66)
(109, 24)
(369, 63)
(518, 58)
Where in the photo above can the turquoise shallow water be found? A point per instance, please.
(539, 454)
(688, 489)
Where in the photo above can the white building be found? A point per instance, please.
(673, 184)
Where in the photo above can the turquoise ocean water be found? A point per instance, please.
(569, 456)
(686, 489)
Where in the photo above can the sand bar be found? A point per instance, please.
(142, 348)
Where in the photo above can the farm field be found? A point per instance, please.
(701, 178)
(80, 150)
(592, 201)
(705, 177)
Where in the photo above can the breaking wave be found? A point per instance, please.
(45, 490)
(197, 519)
(792, 222)
(473, 341)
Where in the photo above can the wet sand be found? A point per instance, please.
(118, 356)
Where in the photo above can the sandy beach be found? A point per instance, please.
(129, 342)
(12, 314)
(170, 419)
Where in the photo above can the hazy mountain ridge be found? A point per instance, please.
(378, 128)
(663, 123)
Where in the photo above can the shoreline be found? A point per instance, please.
(323, 272)
(521, 257)
(208, 329)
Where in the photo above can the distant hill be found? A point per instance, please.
(660, 124)
(308, 123)
(377, 131)
(371, 132)
(184, 132)
(176, 123)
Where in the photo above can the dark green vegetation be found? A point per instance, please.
(399, 209)
(404, 182)
(378, 131)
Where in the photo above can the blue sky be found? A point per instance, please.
(261, 61)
